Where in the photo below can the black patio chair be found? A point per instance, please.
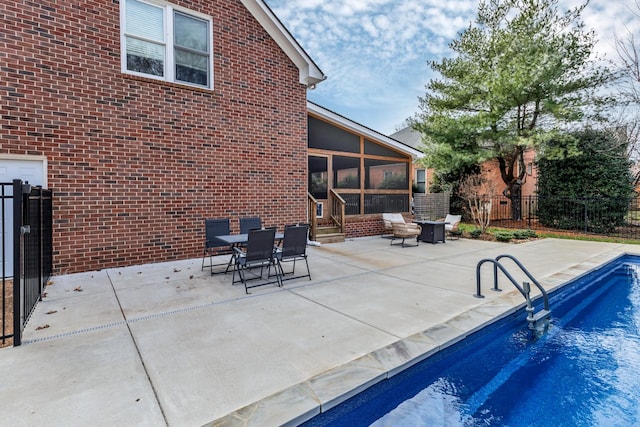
(258, 253)
(212, 245)
(294, 248)
(250, 223)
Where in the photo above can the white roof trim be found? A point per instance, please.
(310, 73)
(356, 127)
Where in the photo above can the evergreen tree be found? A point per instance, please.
(590, 191)
(519, 74)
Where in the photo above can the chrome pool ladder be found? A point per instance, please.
(533, 319)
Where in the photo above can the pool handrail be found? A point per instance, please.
(497, 264)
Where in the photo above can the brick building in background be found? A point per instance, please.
(146, 117)
(489, 169)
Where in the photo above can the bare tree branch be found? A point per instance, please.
(629, 53)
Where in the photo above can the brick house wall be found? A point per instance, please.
(491, 171)
(136, 164)
(366, 225)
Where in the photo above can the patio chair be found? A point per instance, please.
(250, 223)
(402, 230)
(389, 219)
(452, 227)
(258, 253)
(212, 245)
(294, 248)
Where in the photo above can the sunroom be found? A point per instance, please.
(355, 174)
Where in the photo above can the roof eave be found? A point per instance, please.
(309, 73)
(361, 129)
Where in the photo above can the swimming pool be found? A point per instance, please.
(582, 372)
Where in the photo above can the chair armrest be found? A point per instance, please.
(406, 229)
(413, 227)
(452, 227)
(398, 227)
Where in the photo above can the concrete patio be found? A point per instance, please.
(169, 344)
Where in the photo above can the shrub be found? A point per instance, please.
(349, 181)
(395, 181)
(588, 191)
(524, 234)
(475, 233)
(503, 236)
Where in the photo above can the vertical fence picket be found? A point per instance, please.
(582, 215)
(32, 253)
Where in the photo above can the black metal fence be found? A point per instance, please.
(6, 262)
(26, 257)
(609, 216)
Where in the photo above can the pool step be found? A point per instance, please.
(541, 315)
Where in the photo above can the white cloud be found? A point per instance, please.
(376, 53)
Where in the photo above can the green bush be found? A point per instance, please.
(475, 233)
(394, 182)
(588, 191)
(524, 234)
(349, 181)
(503, 236)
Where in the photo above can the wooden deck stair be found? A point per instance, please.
(330, 228)
(329, 234)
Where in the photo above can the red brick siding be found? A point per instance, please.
(368, 225)
(365, 225)
(136, 164)
(491, 172)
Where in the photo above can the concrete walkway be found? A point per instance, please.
(169, 344)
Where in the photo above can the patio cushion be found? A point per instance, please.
(454, 221)
(390, 218)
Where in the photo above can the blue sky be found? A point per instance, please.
(376, 53)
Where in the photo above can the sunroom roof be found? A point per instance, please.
(378, 137)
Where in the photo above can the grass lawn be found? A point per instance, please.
(492, 232)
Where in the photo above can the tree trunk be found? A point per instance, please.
(513, 191)
(515, 195)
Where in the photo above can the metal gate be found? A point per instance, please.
(30, 236)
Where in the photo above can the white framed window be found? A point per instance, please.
(166, 42)
(421, 180)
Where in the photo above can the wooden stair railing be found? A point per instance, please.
(312, 207)
(338, 205)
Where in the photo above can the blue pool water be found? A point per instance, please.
(583, 372)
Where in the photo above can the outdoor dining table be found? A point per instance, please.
(235, 240)
(241, 239)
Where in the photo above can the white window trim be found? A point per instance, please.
(169, 63)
